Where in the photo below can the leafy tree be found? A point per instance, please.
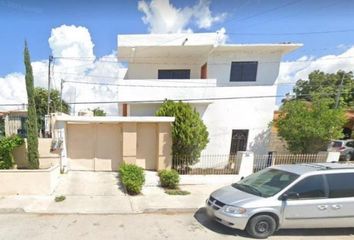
(32, 134)
(189, 134)
(326, 85)
(99, 112)
(7, 145)
(41, 98)
(2, 127)
(308, 127)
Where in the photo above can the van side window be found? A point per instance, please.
(310, 187)
(341, 185)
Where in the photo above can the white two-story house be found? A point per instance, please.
(232, 86)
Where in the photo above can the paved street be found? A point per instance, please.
(138, 226)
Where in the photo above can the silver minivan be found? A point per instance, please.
(287, 196)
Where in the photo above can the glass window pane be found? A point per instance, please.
(243, 71)
(174, 74)
(341, 185)
(310, 187)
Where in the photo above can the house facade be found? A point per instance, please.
(232, 86)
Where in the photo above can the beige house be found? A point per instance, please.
(104, 143)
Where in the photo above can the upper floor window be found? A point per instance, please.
(243, 71)
(174, 74)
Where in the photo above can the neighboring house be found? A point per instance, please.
(278, 145)
(232, 86)
(13, 122)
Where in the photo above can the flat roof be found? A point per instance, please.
(113, 119)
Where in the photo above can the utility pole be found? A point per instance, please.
(339, 91)
(47, 127)
(61, 95)
(50, 60)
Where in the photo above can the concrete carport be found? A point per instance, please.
(104, 143)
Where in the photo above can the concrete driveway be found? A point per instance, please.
(87, 183)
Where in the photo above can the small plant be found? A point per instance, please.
(7, 145)
(59, 198)
(132, 177)
(169, 178)
(176, 192)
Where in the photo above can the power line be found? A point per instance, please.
(290, 33)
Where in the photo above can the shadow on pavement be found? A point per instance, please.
(202, 217)
(316, 232)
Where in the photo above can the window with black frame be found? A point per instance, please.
(243, 71)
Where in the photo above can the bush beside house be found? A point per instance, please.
(7, 145)
(132, 177)
(189, 133)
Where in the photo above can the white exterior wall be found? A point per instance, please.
(219, 67)
(223, 105)
(150, 71)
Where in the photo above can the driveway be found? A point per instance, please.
(87, 183)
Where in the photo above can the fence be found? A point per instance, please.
(207, 164)
(263, 161)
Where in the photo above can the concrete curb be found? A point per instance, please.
(169, 210)
(12, 210)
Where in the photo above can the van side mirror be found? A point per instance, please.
(289, 195)
(242, 178)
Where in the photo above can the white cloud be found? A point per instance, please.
(79, 64)
(292, 71)
(162, 17)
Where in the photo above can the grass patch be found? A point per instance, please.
(176, 192)
(59, 198)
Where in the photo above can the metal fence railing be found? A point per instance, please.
(207, 164)
(263, 161)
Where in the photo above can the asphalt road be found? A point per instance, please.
(139, 226)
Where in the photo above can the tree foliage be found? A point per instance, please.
(98, 112)
(326, 85)
(41, 98)
(189, 133)
(308, 127)
(32, 134)
(7, 145)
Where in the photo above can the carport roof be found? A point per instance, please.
(86, 119)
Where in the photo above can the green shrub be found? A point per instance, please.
(176, 192)
(7, 145)
(169, 178)
(132, 177)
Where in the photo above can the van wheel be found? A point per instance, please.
(348, 157)
(261, 226)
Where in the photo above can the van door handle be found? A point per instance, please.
(322, 207)
(336, 206)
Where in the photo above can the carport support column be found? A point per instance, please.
(129, 141)
(59, 133)
(164, 146)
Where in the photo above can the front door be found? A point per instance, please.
(238, 141)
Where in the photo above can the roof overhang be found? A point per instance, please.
(261, 47)
(85, 119)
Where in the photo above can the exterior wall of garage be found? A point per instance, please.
(96, 145)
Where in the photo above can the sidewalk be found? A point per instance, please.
(102, 193)
(152, 199)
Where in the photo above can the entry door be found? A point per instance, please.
(238, 141)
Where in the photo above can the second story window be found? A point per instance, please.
(243, 71)
(174, 74)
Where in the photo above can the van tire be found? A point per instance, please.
(348, 157)
(261, 226)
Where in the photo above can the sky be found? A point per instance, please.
(88, 30)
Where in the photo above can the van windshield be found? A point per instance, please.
(266, 183)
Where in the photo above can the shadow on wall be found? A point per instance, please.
(260, 145)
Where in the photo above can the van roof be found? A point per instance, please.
(310, 167)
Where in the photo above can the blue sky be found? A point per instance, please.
(245, 21)
(34, 19)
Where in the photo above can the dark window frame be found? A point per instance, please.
(173, 73)
(329, 186)
(239, 75)
(325, 188)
